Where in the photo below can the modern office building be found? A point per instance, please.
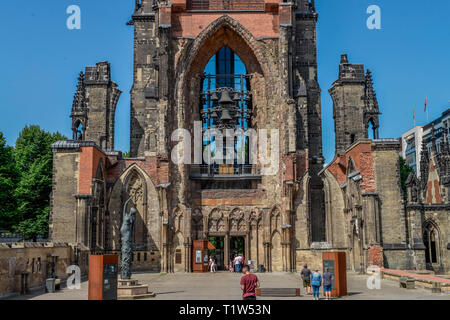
(413, 139)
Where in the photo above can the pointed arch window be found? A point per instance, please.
(431, 241)
(78, 131)
(226, 98)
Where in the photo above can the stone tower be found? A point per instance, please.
(149, 94)
(355, 105)
(94, 106)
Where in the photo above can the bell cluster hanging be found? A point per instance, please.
(226, 108)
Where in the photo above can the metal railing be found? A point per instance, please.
(216, 169)
(225, 5)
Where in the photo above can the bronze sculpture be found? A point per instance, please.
(127, 240)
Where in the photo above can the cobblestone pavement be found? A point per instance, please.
(225, 286)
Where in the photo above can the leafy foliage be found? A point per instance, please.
(29, 167)
(405, 170)
(8, 180)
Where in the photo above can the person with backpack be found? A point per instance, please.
(316, 282)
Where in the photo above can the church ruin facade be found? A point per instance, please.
(240, 65)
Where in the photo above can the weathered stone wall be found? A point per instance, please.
(33, 260)
(365, 207)
(63, 203)
(313, 258)
(387, 177)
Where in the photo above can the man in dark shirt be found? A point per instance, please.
(306, 277)
(249, 284)
(327, 282)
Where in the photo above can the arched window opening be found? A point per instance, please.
(352, 138)
(78, 131)
(431, 241)
(372, 131)
(226, 104)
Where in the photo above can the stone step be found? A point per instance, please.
(139, 296)
(132, 290)
(278, 292)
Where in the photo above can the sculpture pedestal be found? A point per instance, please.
(131, 289)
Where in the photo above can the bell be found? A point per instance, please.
(214, 115)
(214, 97)
(237, 97)
(225, 98)
(225, 115)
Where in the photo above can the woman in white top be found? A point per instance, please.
(212, 263)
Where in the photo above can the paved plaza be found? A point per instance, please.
(225, 286)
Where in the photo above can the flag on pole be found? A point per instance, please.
(414, 114)
(426, 101)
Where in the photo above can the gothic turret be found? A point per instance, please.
(94, 106)
(79, 110)
(355, 105)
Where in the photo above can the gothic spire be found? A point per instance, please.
(79, 98)
(371, 96)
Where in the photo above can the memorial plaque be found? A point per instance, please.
(103, 273)
(330, 265)
(336, 264)
(200, 257)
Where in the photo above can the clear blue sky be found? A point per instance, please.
(41, 58)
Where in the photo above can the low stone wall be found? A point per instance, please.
(420, 280)
(313, 258)
(31, 264)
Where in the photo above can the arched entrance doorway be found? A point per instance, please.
(431, 242)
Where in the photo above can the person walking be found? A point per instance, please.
(249, 284)
(327, 281)
(212, 264)
(306, 277)
(240, 263)
(237, 264)
(316, 282)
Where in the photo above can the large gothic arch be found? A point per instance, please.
(224, 31)
(197, 54)
(134, 182)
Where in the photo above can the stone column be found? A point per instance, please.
(164, 252)
(247, 246)
(82, 220)
(267, 258)
(226, 250)
(190, 255)
(284, 57)
(186, 257)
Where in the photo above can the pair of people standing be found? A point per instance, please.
(315, 280)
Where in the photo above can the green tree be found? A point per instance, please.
(126, 155)
(34, 163)
(8, 180)
(405, 170)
